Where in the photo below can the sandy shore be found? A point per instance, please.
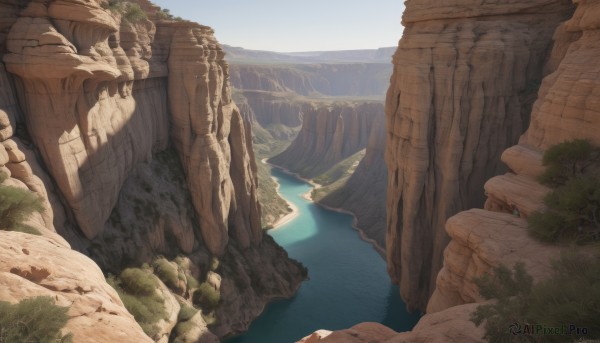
(308, 197)
(288, 217)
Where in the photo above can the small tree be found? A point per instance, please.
(568, 160)
(573, 206)
(570, 296)
(503, 285)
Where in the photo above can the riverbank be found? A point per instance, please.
(287, 217)
(308, 197)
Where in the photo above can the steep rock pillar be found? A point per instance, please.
(209, 135)
(465, 77)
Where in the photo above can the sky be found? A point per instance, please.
(296, 25)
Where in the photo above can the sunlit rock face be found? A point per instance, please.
(564, 111)
(328, 135)
(465, 78)
(128, 132)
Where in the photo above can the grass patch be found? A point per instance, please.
(16, 205)
(206, 297)
(344, 168)
(186, 313)
(33, 320)
(166, 272)
(137, 289)
(570, 296)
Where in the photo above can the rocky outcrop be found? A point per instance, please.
(465, 77)
(363, 194)
(39, 266)
(129, 133)
(328, 135)
(564, 111)
(344, 79)
(452, 325)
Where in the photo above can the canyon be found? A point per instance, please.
(150, 144)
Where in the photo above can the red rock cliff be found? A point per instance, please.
(465, 76)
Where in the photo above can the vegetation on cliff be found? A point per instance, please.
(137, 289)
(573, 206)
(129, 11)
(563, 307)
(36, 319)
(16, 205)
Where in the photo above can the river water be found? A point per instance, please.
(348, 279)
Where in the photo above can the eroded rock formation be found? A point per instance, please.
(364, 192)
(465, 77)
(344, 79)
(33, 266)
(128, 132)
(564, 110)
(328, 135)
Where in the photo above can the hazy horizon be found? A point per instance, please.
(274, 25)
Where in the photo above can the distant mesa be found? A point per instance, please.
(241, 55)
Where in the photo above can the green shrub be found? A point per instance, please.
(186, 313)
(138, 282)
(183, 328)
(547, 227)
(567, 160)
(137, 290)
(570, 296)
(16, 205)
(129, 11)
(166, 272)
(573, 169)
(134, 13)
(206, 297)
(33, 320)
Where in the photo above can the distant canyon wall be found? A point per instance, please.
(323, 79)
(328, 135)
(465, 78)
(563, 111)
(364, 192)
(128, 132)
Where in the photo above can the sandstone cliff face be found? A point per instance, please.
(328, 135)
(144, 149)
(465, 75)
(275, 108)
(39, 266)
(364, 192)
(563, 111)
(452, 325)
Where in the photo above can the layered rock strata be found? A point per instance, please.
(344, 79)
(563, 111)
(465, 76)
(145, 151)
(363, 194)
(32, 266)
(328, 135)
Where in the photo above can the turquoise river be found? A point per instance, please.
(348, 280)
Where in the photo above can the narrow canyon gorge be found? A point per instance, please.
(149, 158)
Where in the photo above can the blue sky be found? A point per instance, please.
(299, 25)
